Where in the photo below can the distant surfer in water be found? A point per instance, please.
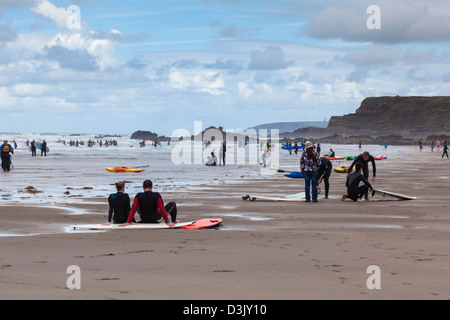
(44, 148)
(150, 207)
(33, 148)
(354, 190)
(119, 205)
(5, 150)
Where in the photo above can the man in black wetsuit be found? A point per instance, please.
(5, 150)
(354, 190)
(364, 159)
(324, 174)
(119, 205)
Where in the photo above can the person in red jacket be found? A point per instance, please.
(150, 207)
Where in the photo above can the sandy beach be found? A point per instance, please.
(263, 250)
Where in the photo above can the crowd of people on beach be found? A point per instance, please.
(90, 143)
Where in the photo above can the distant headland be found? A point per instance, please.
(396, 120)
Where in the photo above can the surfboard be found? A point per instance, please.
(203, 223)
(384, 193)
(129, 227)
(294, 175)
(38, 145)
(299, 197)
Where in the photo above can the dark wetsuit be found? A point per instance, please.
(151, 209)
(360, 158)
(324, 172)
(119, 207)
(354, 190)
(5, 156)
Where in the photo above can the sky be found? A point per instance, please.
(111, 66)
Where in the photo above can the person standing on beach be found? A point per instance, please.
(5, 150)
(150, 207)
(44, 148)
(33, 149)
(445, 150)
(309, 166)
(324, 174)
(354, 190)
(119, 205)
(222, 152)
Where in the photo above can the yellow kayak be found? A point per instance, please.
(123, 169)
(342, 169)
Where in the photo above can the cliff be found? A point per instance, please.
(411, 117)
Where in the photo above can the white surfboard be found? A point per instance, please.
(128, 227)
(292, 197)
(384, 193)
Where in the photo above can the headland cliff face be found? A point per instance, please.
(409, 117)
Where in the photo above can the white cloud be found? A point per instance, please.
(46, 9)
(197, 80)
(272, 58)
(402, 21)
(244, 90)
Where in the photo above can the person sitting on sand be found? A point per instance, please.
(354, 190)
(150, 207)
(212, 161)
(119, 205)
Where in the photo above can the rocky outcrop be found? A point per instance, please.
(410, 117)
(148, 135)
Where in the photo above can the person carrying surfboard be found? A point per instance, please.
(354, 190)
(44, 148)
(33, 148)
(5, 150)
(150, 207)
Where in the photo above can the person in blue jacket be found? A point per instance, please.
(5, 150)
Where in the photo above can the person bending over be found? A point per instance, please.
(325, 170)
(354, 190)
(150, 207)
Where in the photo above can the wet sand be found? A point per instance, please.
(263, 250)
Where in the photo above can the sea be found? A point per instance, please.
(70, 173)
